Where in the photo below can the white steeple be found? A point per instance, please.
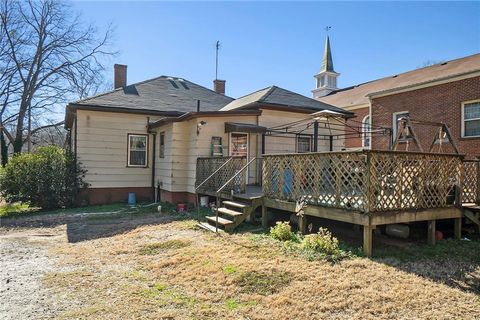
(326, 79)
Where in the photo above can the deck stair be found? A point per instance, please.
(233, 212)
(473, 214)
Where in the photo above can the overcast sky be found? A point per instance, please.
(281, 43)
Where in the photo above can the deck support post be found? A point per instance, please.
(302, 224)
(368, 240)
(431, 231)
(264, 217)
(458, 228)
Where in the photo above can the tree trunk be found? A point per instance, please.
(3, 149)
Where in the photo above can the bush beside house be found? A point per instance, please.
(49, 178)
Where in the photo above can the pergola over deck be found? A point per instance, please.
(365, 187)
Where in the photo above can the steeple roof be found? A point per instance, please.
(327, 61)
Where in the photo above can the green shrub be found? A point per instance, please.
(48, 178)
(282, 231)
(322, 242)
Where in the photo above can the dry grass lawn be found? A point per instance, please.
(174, 271)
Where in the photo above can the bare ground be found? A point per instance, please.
(155, 268)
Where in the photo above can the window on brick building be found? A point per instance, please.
(471, 119)
(366, 132)
(395, 121)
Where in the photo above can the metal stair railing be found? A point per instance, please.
(225, 185)
(197, 198)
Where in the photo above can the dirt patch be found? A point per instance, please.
(25, 261)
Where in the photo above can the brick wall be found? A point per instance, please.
(441, 103)
(354, 140)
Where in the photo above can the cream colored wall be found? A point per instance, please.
(102, 148)
(183, 146)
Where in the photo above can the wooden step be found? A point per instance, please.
(236, 204)
(221, 221)
(208, 227)
(474, 208)
(470, 215)
(229, 212)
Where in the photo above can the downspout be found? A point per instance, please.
(153, 164)
(154, 142)
(75, 137)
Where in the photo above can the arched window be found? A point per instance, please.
(366, 136)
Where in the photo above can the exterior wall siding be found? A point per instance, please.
(441, 103)
(102, 149)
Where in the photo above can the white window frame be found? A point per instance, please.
(128, 150)
(395, 124)
(366, 134)
(463, 119)
(303, 136)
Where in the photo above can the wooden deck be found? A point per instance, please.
(367, 188)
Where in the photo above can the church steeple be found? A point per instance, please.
(327, 61)
(326, 79)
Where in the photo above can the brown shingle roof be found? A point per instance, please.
(358, 94)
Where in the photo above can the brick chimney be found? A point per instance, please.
(219, 86)
(120, 75)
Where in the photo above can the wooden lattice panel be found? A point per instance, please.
(471, 188)
(402, 180)
(207, 166)
(365, 181)
(329, 180)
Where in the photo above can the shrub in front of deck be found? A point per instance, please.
(48, 178)
(282, 231)
(322, 242)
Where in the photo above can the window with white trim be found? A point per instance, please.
(366, 132)
(396, 119)
(304, 144)
(471, 119)
(137, 150)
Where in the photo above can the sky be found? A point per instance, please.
(281, 43)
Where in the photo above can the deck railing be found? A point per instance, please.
(366, 180)
(206, 166)
(471, 181)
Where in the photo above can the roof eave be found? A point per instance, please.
(192, 115)
(387, 92)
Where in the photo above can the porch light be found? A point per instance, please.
(200, 125)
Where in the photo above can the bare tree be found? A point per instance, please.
(53, 53)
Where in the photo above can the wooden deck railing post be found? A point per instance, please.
(478, 183)
(367, 191)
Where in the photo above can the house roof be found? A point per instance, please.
(161, 94)
(358, 95)
(279, 97)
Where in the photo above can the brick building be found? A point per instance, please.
(447, 92)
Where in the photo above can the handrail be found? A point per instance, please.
(226, 184)
(203, 182)
(235, 175)
(215, 172)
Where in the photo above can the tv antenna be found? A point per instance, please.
(217, 47)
